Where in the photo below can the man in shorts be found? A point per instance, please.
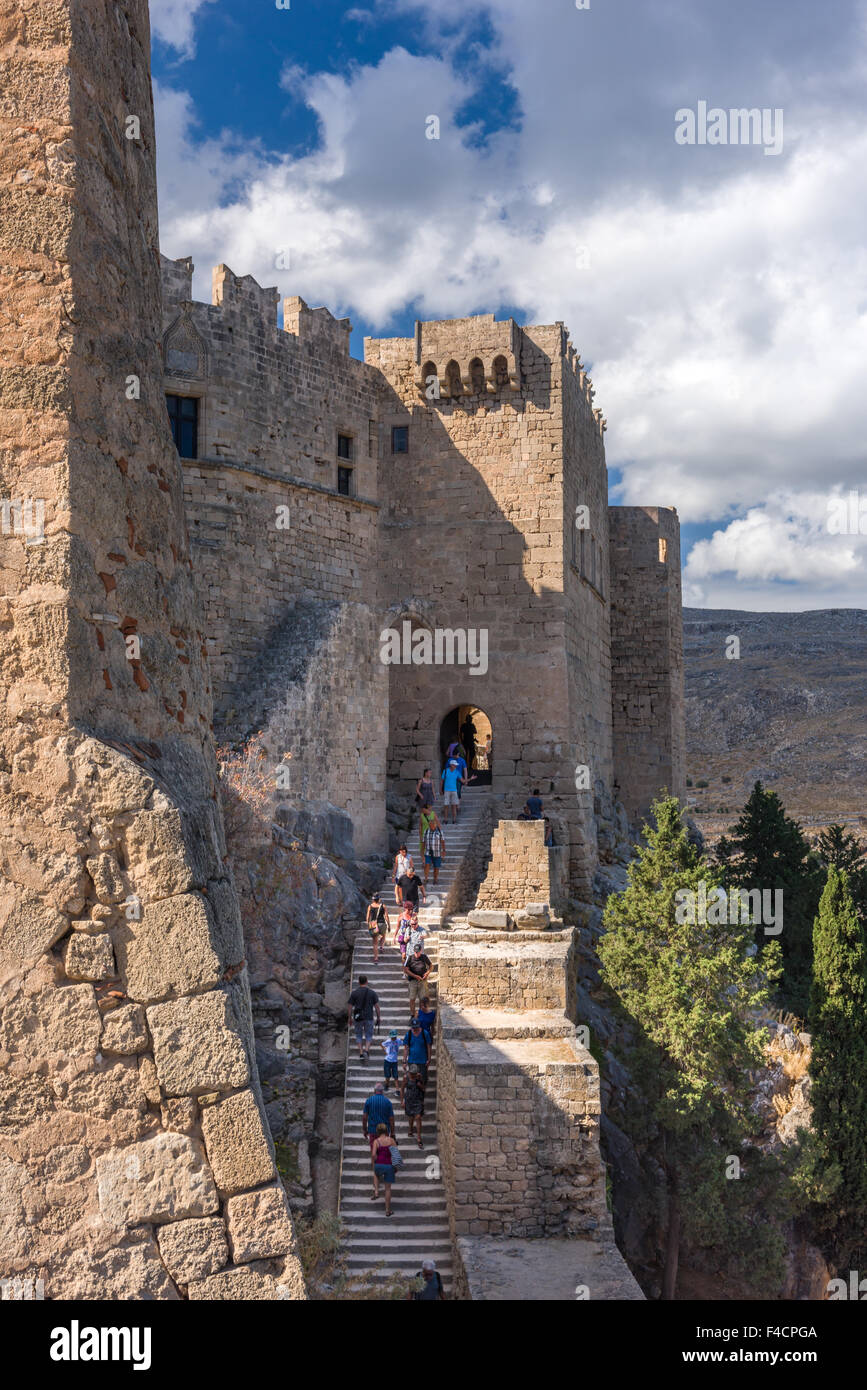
(416, 969)
(412, 885)
(451, 781)
(363, 1004)
(416, 1050)
(434, 848)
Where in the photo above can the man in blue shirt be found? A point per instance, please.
(416, 1048)
(451, 782)
(378, 1110)
(534, 805)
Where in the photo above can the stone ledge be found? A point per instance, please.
(546, 1270)
(503, 1023)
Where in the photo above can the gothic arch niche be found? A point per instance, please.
(471, 727)
(184, 352)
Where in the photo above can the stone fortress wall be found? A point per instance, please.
(135, 1159)
(469, 525)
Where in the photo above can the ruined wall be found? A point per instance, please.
(646, 655)
(132, 1134)
(519, 871)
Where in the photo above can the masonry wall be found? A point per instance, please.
(503, 971)
(266, 521)
(518, 1137)
(136, 1163)
(328, 730)
(519, 869)
(476, 542)
(588, 591)
(647, 655)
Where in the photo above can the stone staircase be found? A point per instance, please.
(380, 1246)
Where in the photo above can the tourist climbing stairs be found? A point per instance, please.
(379, 1246)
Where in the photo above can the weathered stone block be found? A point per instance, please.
(193, 1249)
(237, 1144)
(170, 952)
(125, 1030)
(259, 1224)
(160, 1179)
(88, 957)
(197, 1047)
(491, 920)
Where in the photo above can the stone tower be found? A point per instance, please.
(135, 1158)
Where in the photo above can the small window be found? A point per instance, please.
(400, 439)
(184, 421)
(344, 481)
(663, 550)
(344, 446)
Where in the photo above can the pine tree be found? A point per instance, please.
(767, 850)
(688, 988)
(839, 847)
(838, 1022)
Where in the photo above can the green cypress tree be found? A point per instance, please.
(689, 988)
(838, 1023)
(768, 850)
(839, 847)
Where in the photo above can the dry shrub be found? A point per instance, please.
(323, 1258)
(248, 791)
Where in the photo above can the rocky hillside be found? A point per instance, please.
(790, 711)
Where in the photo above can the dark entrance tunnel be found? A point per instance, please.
(471, 728)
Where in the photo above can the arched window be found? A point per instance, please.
(477, 376)
(453, 378)
(501, 372)
(430, 381)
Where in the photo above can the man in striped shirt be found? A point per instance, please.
(434, 847)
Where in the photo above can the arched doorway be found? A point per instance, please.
(471, 727)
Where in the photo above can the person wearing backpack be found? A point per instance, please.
(413, 1102)
(363, 1004)
(377, 924)
(432, 1284)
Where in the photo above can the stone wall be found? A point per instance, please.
(136, 1160)
(647, 655)
(503, 970)
(519, 871)
(329, 731)
(477, 543)
(518, 1132)
(266, 521)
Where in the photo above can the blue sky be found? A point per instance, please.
(717, 292)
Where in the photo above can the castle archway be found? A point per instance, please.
(471, 727)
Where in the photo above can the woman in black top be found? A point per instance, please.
(377, 924)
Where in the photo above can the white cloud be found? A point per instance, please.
(173, 21)
(721, 306)
(776, 554)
